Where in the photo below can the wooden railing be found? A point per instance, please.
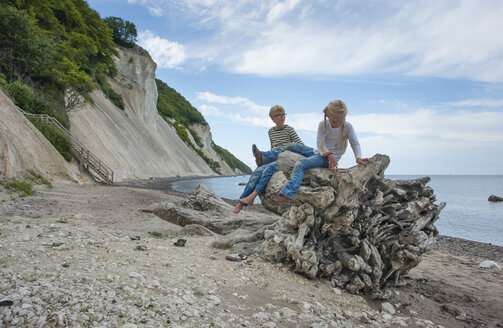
(86, 159)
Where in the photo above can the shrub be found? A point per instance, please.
(22, 187)
(55, 137)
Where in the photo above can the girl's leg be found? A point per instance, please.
(298, 173)
(272, 155)
(300, 149)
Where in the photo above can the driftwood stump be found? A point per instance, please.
(354, 227)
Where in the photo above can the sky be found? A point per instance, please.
(422, 80)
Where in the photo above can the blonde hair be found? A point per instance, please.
(275, 110)
(335, 107)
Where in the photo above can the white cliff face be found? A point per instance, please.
(23, 147)
(135, 142)
(204, 134)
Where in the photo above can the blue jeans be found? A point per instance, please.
(266, 176)
(261, 176)
(272, 155)
(254, 179)
(300, 166)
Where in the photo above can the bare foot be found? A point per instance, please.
(248, 200)
(282, 199)
(238, 208)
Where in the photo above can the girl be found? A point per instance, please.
(332, 140)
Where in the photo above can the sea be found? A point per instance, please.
(468, 213)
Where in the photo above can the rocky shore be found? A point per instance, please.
(71, 256)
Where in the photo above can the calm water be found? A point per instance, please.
(468, 213)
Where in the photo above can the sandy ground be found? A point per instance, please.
(447, 289)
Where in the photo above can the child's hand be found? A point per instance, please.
(332, 163)
(362, 161)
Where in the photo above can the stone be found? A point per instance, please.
(488, 264)
(494, 198)
(388, 308)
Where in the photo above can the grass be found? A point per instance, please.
(24, 188)
(141, 248)
(155, 234)
(38, 179)
(62, 220)
(198, 292)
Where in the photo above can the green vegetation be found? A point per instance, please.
(198, 292)
(230, 159)
(141, 248)
(37, 179)
(124, 32)
(155, 234)
(57, 51)
(55, 137)
(62, 220)
(179, 113)
(54, 47)
(173, 105)
(24, 188)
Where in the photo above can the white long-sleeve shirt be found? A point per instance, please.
(334, 142)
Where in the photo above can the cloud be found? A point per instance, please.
(166, 54)
(477, 103)
(448, 39)
(154, 8)
(242, 102)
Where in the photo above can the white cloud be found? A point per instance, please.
(477, 103)
(245, 103)
(449, 39)
(166, 54)
(210, 110)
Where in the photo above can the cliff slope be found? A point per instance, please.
(135, 142)
(24, 148)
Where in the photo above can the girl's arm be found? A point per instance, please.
(319, 137)
(355, 145)
(353, 140)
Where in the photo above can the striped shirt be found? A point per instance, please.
(284, 137)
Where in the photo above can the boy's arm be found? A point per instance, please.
(294, 137)
(270, 138)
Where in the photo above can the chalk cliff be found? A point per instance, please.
(24, 148)
(136, 142)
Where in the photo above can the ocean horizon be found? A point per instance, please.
(468, 214)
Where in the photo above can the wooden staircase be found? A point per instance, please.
(87, 160)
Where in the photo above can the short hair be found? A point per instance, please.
(275, 110)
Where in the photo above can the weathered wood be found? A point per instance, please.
(354, 227)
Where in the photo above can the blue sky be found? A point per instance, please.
(423, 80)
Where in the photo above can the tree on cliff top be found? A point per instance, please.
(124, 32)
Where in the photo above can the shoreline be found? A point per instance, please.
(468, 247)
